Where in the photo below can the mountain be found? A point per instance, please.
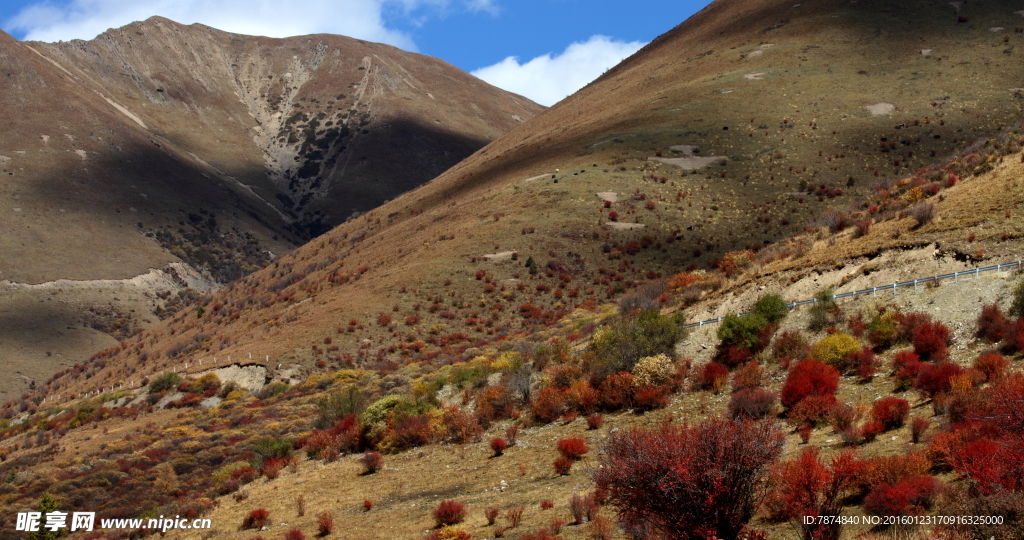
(158, 143)
(733, 131)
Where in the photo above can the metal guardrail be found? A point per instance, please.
(955, 276)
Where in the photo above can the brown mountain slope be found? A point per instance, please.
(340, 125)
(410, 281)
(159, 142)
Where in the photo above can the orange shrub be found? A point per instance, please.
(890, 470)
(617, 391)
(582, 396)
(548, 405)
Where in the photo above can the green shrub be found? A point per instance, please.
(619, 345)
(165, 381)
(772, 307)
(825, 312)
(223, 474)
(743, 332)
(1017, 307)
(264, 449)
(392, 407)
(337, 405)
(272, 389)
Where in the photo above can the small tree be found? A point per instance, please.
(47, 503)
(689, 482)
(531, 265)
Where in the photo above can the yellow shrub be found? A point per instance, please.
(223, 473)
(652, 370)
(833, 349)
(508, 360)
(450, 533)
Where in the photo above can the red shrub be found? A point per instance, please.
(449, 512)
(992, 324)
(910, 496)
(511, 432)
(595, 421)
(1007, 411)
(812, 409)
(931, 341)
(257, 519)
(871, 429)
(1014, 339)
(383, 319)
(371, 462)
(367, 505)
(324, 523)
(690, 482)
(790, 346)
(712, 376)
(498, 445)
(294, 534)
(613, 215)
(905, 367)
(648, 398)
(412, 431)
(809, 378)
(935, 378)
(908, 323)
(514, 516)
(887, 500)
(805, 432)
(892, 412)
(993, 365)
(856, 324)
(807, 486)
(841, 417)
(563, 465)
(272, 467)
(733, 355)
(583, 507)
(751, 403)
(491, 514)
(573, 447)
(926, 488)
(917, 428)
(864, 362)
(747, 376)
(547, 504)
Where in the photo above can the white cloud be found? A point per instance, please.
(548, 79)
(363, 19)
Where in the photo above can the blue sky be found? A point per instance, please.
(543, 49)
